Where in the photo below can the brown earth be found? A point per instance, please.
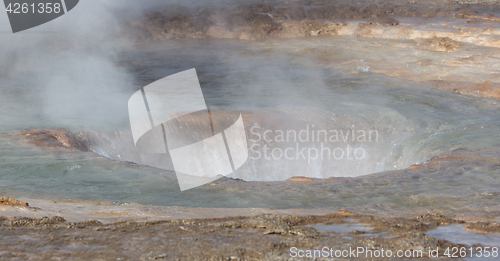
(300, 179)
(440, 44)
(273, 20)
(382, 22)
(415, 166)
(264, 237)
(7, 201)
(54, 138)
(483, 227)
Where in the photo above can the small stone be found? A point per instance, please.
(300, 179)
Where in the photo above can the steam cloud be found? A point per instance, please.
(64, 73)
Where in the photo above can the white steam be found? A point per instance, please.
(64, 73)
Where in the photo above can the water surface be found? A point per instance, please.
(296, 90)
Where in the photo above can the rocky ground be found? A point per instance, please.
(254, 20)
(467, 31)
(261, 237)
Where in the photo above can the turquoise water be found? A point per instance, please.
(290, 88)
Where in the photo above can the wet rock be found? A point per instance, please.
(381, 22)
(416, 166)
(309, 27)
(483, 227)
(7, 201)
(466, 14)
(440, 44)
(345, 212)
(57, 138)
(264, 237)
(365, 29)
(45, 221)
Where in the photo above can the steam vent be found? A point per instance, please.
(250, 130)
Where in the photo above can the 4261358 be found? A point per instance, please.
(41, 8)
(476, 252)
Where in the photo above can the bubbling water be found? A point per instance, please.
(298, 123)
(302, 119)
